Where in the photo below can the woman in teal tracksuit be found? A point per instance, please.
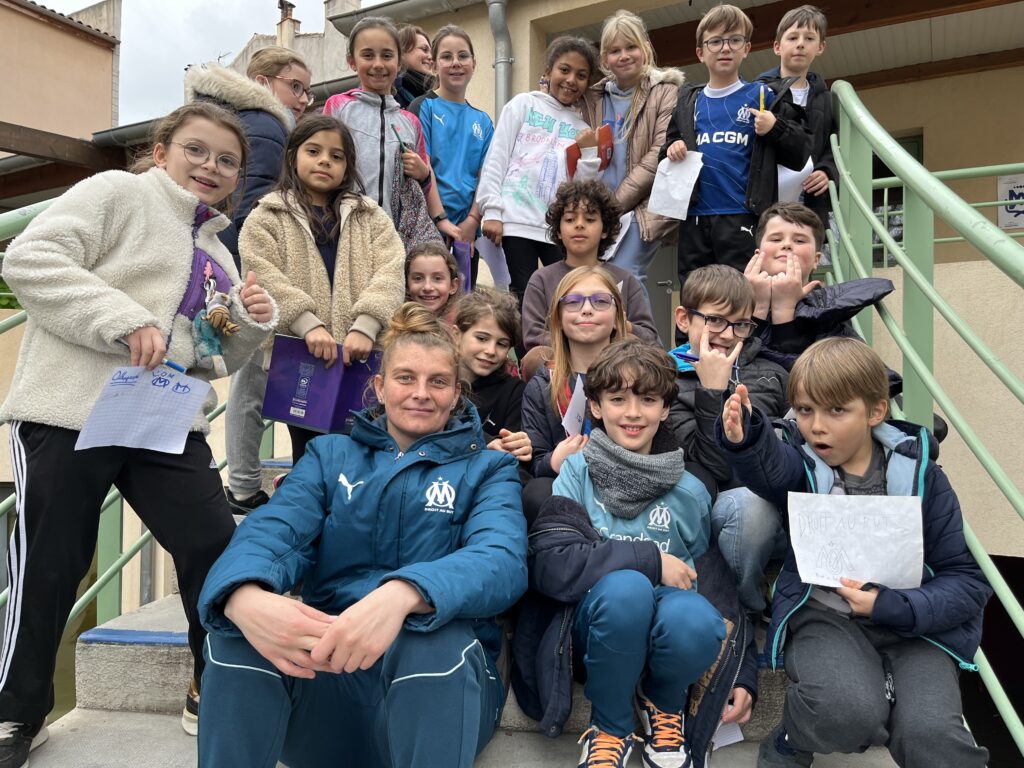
(408, 538)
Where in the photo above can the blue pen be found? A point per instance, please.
(174, 366)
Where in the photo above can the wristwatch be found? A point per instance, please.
(440, 217)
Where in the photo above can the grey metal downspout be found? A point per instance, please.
(502, 54)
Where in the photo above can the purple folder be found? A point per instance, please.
(300, 391)
(463, 253)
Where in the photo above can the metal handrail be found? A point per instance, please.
(980, 348)
(927, 197)
(976, 229)
(956, 174)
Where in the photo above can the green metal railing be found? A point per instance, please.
(111, 554)
(925, 198)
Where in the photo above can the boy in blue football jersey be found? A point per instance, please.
(743, 131)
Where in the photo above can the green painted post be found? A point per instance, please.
(108, 549)
(846, 205)
(859, 163)
(918, 311)
(267, 442)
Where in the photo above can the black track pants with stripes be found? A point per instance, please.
(180, 498)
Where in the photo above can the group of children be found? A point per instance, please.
(652, 521)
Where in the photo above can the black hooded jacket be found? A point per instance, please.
(821, 125)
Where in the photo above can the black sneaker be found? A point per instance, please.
(775, 752)
(248, 504)
(190, 714)
(17, 740)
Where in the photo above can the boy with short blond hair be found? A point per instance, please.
(870, 665)
(799, 40)
(717, 314)
(743, 131)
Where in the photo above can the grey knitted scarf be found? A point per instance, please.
(628, 482)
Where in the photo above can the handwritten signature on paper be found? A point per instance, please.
(123, 379)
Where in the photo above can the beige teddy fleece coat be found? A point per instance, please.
(369, 275)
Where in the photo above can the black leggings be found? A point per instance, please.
(521, 255)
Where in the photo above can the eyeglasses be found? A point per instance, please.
(741, 329)
(714, 44)
(197, 154)
(599, 302)
(463, 57)
(297, 88)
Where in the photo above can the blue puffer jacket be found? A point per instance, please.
(356, 512)
(946, 609)
(267, 124)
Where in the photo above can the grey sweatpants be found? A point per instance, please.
(837, 700)
(244, 427)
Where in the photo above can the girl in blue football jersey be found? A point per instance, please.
(457, 134)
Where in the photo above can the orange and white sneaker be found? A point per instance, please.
(664, 743)
(602, 750)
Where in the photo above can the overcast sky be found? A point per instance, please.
(158, 40)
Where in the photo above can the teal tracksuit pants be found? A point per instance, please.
(433, 699)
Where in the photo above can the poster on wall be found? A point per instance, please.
(1011, 188)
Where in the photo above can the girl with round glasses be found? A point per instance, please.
(112, 274)
(586, 313)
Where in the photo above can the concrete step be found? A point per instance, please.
(140, 662)
(86, 738)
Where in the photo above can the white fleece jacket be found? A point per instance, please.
(111, 255)
(526, 163)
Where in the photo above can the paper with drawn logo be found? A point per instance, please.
(144, 409)
(867, 538)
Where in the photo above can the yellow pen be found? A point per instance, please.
(762, 98)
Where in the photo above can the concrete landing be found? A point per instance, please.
(99, 739)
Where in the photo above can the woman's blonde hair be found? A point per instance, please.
(413, 323)
(561, 361)
(273, 60)
(632, 28)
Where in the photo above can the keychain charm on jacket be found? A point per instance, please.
(210, 324)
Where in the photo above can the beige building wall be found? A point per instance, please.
(966, 121)
(50, 53)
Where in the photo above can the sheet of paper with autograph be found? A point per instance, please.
(144, 409)
(867, 538)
